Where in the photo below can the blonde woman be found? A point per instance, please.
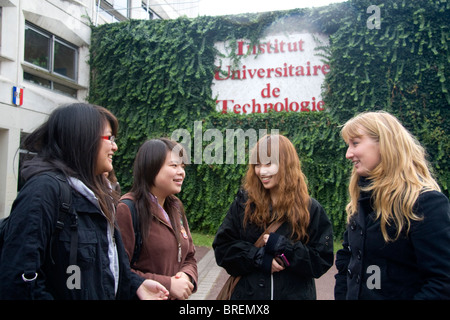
(397, 243)
(300, 249)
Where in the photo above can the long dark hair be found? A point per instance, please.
(148, 162)
(70, 141)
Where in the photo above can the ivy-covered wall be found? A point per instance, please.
(403, 68)
(156, 77)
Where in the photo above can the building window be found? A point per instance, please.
(113, 10)
(24, 155)
(147, 10)
(37, 48)
(65, 60)
(49, 84)
(52, 57)
(123, 7)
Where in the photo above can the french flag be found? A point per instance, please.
(17, 96)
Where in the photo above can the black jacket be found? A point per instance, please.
(415, 266)
(235, 251)
(27, 249)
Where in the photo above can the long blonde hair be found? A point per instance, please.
(293, 200)
(399, 178)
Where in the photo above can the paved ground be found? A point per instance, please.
(212, 277)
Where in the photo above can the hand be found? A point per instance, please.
(181, 286)
(266, 238)
(276, 267)
(183, 275)
(152, 290)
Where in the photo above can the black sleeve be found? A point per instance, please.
(235, 255)
(431, 241)
(25, 246)
(342, 260)
(314, 257)
(129, 281)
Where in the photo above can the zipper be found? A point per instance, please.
(173, 231)
(271, 286)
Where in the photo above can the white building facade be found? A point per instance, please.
(44, 54)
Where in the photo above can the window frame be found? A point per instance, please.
(49, 73)
(51, 62)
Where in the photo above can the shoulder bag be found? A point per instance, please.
(230, 284)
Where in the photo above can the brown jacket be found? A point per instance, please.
(158, 259)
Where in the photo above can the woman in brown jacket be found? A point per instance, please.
(167, 253)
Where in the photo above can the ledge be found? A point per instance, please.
(52, 76)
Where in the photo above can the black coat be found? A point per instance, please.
(235, 251)
(415, 266)
(27, 247)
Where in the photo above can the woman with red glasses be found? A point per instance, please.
(60, 241)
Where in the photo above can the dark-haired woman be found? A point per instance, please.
(167, 253)
(86, 258)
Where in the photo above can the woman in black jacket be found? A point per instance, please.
(301, 248)
(77, 143)
(397, 243)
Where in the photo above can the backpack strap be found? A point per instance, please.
(65, 201)
(3, 223)
(136, 228)
(65, 197)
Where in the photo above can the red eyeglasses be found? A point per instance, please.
(110, 138)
